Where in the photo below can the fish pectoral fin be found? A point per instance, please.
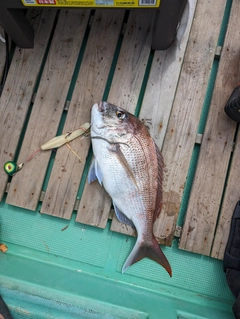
(95, 173)
(91, 173)
(121, 217)
(98, 173)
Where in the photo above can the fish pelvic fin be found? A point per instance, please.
(152, 251)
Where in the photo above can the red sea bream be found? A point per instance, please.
(129, 165)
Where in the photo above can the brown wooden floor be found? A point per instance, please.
(171, 107)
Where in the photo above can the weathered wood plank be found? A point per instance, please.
(18, 90)
(216, 147)
(125, 88)
(132, 60)
(160, 91)
(182, 127)
(67, 171)
(94, 207)
(26, 186)
(231, 197)
(162, 84)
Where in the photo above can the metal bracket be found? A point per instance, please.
(218, 52)
(178, 231)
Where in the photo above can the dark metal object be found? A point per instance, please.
(16, 25)
(166, 23)
(7, 63)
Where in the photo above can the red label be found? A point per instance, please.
(46, 1)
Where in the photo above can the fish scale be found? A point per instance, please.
(129, 165)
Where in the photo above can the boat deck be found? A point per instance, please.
(83, 56)
(50, 90)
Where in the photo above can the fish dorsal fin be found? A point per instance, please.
(95, 173)
(121, 217)
(160, 162)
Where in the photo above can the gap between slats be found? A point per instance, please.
(18, 90)
(90, 84)
(124, 92)
(26, 186)
(182, 127)
(216, 147)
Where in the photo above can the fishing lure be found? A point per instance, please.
(65, 138)
(11, 167)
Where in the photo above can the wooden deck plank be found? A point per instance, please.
(160, 91)
(162, 84)
(47, 110)
(216, 147)
(124, 91)
(67, 171)
(182, 127)
(94, 207)
(132, 61)
(231, 197)
(19, 87)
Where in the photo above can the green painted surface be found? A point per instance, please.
(49, 272)
(81, 266)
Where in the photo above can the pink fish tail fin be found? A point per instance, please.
(152, 251)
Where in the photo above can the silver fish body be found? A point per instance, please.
(129, 165)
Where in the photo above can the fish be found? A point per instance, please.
(129, 165)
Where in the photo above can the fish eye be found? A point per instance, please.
(120, 115)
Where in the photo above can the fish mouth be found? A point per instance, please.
(96, 117)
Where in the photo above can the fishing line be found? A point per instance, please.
(110, 142)
(30, 157)
(68, 145)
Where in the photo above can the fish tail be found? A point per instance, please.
(152, 251)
